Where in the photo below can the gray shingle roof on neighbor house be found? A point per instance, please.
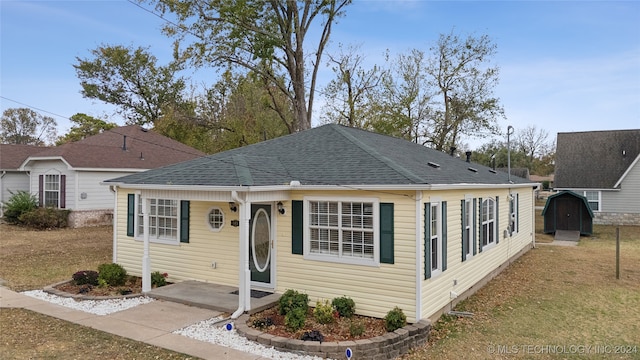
(326, 155)
(594, 159)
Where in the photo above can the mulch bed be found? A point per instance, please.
(338, 330)
(133, 285)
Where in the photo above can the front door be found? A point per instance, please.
(260, 245)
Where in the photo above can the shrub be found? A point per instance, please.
(19, 203)
(345, 306)
(294, 320)
(313, 335)
(292, 299)
(323, 313)
(158, 279)
(45, 218)
(356, 328)
(111, 275)
(86, 277)
(262, 323)
(395, 319)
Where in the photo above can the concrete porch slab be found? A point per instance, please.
(209, 296)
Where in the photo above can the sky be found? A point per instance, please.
(565, 66)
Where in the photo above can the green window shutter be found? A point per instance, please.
(131, 214)
(498, 220)
(474, 229)
(480, 225)
(444, 235)
(464, 233)
(184, 221)
(518, 212)
(386, 233)
(427, 240)
(297, 231)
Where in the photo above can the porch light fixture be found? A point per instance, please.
(233, 206)
(280, 207)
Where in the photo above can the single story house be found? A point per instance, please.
(12, 179)
(68, 176)
(603, 166)
(331, 211)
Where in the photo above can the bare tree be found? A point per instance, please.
(533, 142)
(25, 126)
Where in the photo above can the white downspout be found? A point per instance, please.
(418, 256)
(114, 190)
(244, 281)
(146, 261)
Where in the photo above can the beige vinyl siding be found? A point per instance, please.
(186, 261)
(98, 196)
(436, 291)
(375, 290)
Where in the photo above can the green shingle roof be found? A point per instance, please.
(326, 155)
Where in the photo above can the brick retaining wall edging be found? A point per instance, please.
(387, 346)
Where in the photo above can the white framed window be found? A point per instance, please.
(215, 219)
(163, 219)
(52, 190)
(342, 230)
(467, 235)
(593, 198)
(435, 229)
(513, 213)
(488, 232)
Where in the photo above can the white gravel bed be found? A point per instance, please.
(98, 307)
(209, 331)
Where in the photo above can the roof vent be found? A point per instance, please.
(468, 153)
(124, 143)
(472, 169)
(433, 165)
(492, 171)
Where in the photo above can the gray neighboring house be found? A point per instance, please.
(603, 166)
(12, 179)
(68, 176)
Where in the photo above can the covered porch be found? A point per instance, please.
(212, 296)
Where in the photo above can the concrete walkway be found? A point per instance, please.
(151, 323)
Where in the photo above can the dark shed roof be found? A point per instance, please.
(594, 159)
(326, 155)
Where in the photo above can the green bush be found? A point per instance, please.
(158, 279)
(294, 320)
(45, 218)
(356, 328)
(345, 306)
(323, 313)
(19, 203)
(291, 300)
(111, 275)
(395, 319)
(86, 277)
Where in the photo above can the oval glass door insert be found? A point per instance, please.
(261, 240)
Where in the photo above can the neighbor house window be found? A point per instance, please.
(52, 191)
(593, 197)
(513, 213)
(488, 234)
(342, 230)
(163, 219)
(215, 219)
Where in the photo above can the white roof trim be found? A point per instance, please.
(319, 187)
(586, 189)
(44, 158)
(627, 172)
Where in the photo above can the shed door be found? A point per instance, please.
(567, 214)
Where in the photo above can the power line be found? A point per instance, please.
(33, 107)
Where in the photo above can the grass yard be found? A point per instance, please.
(551, 298)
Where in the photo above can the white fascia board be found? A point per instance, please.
(318, 187)
(586, 189)
(111, 170)
(634, 163)
(43, 158)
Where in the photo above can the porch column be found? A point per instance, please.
(146, 261)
